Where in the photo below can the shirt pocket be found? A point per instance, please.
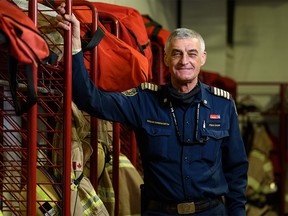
(211, 148)
(157, 142)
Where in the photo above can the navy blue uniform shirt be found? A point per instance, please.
(208, 160)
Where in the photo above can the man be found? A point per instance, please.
(193, 156)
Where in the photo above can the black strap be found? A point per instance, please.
(141, 48)
(155, 33)
(21, 106)
(78, 180)
(156, 30)
(152, 22)
(97, 37)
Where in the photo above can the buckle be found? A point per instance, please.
(186, 208)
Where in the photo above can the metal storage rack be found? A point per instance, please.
(26, 141)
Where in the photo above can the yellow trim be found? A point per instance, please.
(124, 162)
(257, 154)
(253, 183)
(106, 194)
(42, 193)
(267, 167)
(260, 189)
(91, 202)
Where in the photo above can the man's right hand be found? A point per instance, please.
(65, 21)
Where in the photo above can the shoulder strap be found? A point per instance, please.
(97, 37)
(20, 106)
(221, 93)
(156, 30)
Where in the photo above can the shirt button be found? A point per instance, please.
(188, 140)
(187, 177)
(185, 158)
(187, 122)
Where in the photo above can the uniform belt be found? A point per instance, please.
(185, 207)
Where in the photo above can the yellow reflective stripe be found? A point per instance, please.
(257, 154)
(73, 177)
(123, 162)
(109, 168)
(90, 202)
(106, 194)
(286, 197)
(253, 183)
(1, 214)
(266, 189)
(263, 189)
(42, 193)
(267, 167)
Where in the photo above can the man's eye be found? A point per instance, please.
(192, 54)
(176, 54)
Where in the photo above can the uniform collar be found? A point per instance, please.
(184, 98)
(205, 94)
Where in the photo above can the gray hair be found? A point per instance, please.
(183, 33)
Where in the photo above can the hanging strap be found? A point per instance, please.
(21, 106)
(97, 37)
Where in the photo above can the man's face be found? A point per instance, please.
(184, 59)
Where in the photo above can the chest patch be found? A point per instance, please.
(214, 116)
(130, 92)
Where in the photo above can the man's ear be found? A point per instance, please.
(166, 60)
(203, 58)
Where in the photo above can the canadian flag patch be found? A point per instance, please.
(76, 165)
(214, 116)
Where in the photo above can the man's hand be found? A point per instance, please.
(65, 21)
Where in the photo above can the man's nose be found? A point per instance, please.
(184, 59)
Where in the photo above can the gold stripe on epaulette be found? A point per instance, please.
(221, 93)
(149, 86)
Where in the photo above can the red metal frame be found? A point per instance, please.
(20, 148)
(29, 148)
(32, 137)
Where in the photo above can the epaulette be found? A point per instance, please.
(220, 93)
(149, 86)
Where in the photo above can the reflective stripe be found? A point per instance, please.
(267, 167)
(106, 194)
(253, 183)
(42, 193)
(123, 162)
(266, 189)
(257, 154)
(90, 202)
